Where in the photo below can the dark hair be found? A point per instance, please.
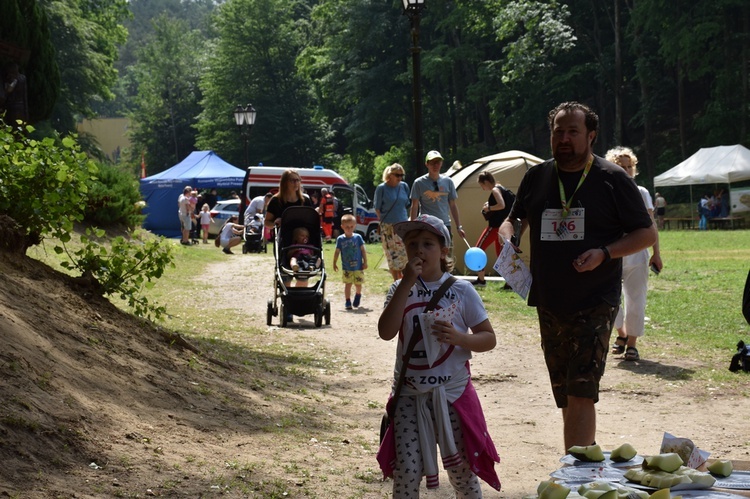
(486, 176)
(590, 117)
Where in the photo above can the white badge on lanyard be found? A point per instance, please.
(555, 228)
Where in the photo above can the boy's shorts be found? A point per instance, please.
(353, 276)
(575, 349)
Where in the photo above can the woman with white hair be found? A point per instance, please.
(391, 204)
(631, 318)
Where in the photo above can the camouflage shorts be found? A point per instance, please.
(353, 277)
(575, 349)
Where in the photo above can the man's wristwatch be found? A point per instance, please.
(607, 256)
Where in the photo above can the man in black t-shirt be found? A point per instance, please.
(584, 214)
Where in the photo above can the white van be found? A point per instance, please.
(262, 179)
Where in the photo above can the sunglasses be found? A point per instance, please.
(399, 175)
(437, 189)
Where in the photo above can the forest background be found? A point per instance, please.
(331, 79)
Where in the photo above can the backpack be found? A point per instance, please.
(498, 216)
(741, 360)
(509, 197)
(703, 210)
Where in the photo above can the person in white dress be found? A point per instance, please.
(631, 318)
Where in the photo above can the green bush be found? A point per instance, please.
(113, 199)
(47, 185)
(126, 269)
(43, 184)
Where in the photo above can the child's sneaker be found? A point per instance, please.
(348, 305)
(356, 300)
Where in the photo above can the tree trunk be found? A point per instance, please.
(618, 77)
(681, 111)
(647, 131)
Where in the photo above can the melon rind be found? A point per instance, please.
(554, 491)
(623, 453)
(668, 462)
(721, 468)
(588, 453)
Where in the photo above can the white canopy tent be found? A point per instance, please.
(710, 165)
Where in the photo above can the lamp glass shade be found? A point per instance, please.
(413, 4)
(239, 115)
(249, 115)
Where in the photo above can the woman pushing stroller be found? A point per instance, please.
(290, 194)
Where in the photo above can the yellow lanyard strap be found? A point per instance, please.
(563, 200)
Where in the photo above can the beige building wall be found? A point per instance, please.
(110, 133)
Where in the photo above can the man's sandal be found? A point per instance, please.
(632, 354)
(619, 347)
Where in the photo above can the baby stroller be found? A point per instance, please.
(303, 300)
(253, 237)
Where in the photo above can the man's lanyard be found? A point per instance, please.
(563, 200)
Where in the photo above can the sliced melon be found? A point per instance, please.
(660, 494)
(702, 479)
(661, 480)
(721, 468)
(623, 453)
(668, 462)
(595, 493)
(635, 475)
(597, 485)
(599, 490)
(628, 493)
(554, 491)
(588, 453)
(543, 485)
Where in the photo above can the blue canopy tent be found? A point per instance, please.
(200, 170)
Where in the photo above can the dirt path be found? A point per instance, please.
(639, 400)
(97, 404)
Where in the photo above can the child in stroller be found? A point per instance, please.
(307, 296)
(254, 242)
(303, 258)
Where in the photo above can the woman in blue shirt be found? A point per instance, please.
(391, 204)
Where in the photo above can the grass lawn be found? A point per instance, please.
(694, 306)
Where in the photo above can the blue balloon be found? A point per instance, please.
(475, 259)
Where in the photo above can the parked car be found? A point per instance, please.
(221, 212)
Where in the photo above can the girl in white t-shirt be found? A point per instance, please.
(205, 221)
(437, 406)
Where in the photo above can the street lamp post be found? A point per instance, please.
(413, 9)
(245, 119)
